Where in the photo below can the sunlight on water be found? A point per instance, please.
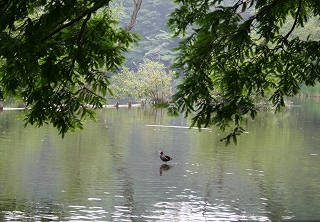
(84, 213)
(18, 215)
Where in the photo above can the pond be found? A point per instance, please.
(111, 171)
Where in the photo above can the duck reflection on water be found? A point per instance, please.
(164, 167)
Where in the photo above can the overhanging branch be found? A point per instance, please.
(73, 21)
(295, 20)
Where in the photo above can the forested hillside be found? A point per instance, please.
(156, 42)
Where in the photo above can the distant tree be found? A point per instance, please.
(124, 85)
(55, 56)
(161, 48)
(241, 49)
(152, 82)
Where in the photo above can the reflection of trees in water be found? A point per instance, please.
(156, 114)
(160, 115)
(273, 207)
(273, 201)
(221, 185)
(126, 181)
(207, 196)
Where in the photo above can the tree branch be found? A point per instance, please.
(65, 26)
(137, 5)
(82, 29)
(7, 6)
(84, 23)
(255, 17)
(86, 13)
(295, 20)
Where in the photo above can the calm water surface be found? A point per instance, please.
(111, 171)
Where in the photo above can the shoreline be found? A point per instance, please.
(105, 106)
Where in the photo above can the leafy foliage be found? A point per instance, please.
(152, 82)
(240, 49)
(52, 54)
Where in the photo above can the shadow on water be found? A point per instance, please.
(164, 168)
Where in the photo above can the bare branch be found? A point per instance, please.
(137, 5)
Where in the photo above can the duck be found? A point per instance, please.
(164, 158)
